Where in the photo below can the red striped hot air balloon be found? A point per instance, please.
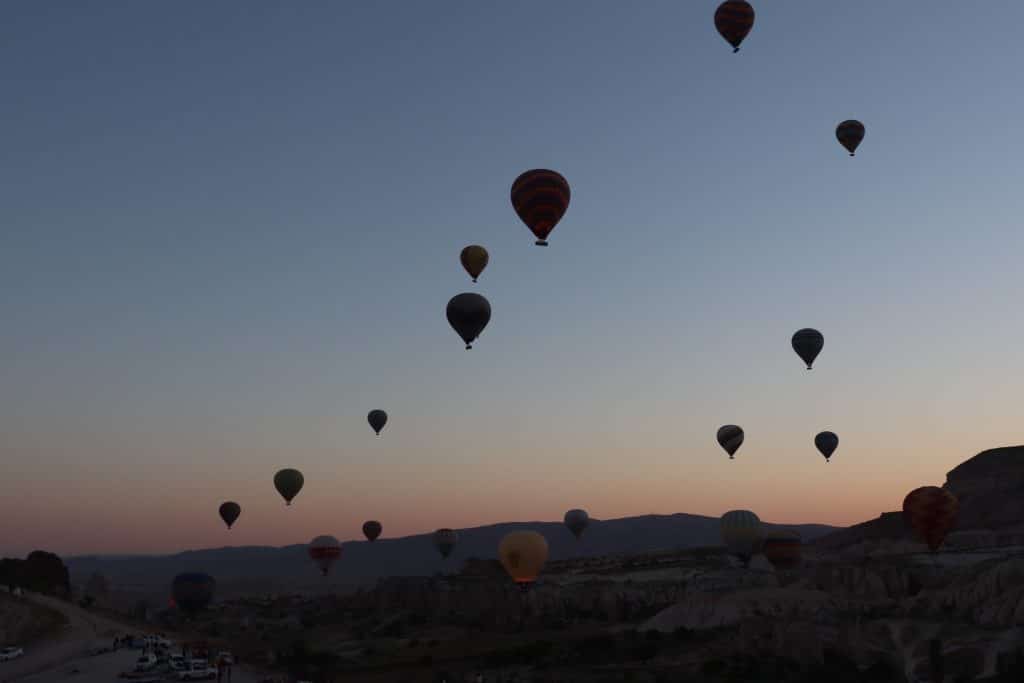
(324, 551)
(931, 513)
(782, 548)
(734, 19)
(540, 198)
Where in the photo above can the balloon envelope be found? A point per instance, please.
(468, 314)
(734, 19)
(324, 551)
(445, 540)
(576, 521)
(826, 443)
(229, 512)
(808, 343)
(730, 437)
(288, 483)
(192, 591)
(931, 512)
(850, 134)
(540, 198)
(741, 533)
(372, 529)
(474, 259)
(377, 420)
(523, 554)
(782, 548)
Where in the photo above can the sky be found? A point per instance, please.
(229, 230)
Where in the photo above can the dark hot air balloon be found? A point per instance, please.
(468, 314)
(377, 420)
(444, 541)
(931, 512)
(782, 548)
(288, 483)
(540, 198)
(523, 554)
(850, 134)
(730, 437)
(229, 512)
(576, 521)
(372, 529)
(324, 551)
(808, 344)
(827, 443)
(192, 591)
(474, 259)
(741, 533)
(734, 19)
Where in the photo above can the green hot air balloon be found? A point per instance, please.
(288, 483)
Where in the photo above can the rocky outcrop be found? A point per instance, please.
(990, 488)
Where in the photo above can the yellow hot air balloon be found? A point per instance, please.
(523, 554)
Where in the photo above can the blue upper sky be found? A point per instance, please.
(228, 230)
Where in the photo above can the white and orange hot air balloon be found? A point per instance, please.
(324, 551)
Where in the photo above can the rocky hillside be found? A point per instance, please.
(22, 622)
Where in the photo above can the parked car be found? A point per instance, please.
(177, 663)
(145, 662)
(225, 657)
(9, 653)
(199, 670)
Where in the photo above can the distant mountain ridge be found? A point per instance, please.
(363, 562)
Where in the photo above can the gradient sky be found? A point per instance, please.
(228, 230)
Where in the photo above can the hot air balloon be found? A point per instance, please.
(324, 551)
(288, 483)
(782, 548)
(577, 521)
(377, 420)
(372, 529)
(730, 437)
(540, 198)
(444, 541)
(468, 314)
(734, 19)
(229, 512)
(474, 259)
(741, 532)
(192, 591)
(931, 512)
(850, 133)
(827, 443)
(523, 554)
(808, 344)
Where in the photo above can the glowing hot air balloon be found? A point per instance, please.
(523, 554)
(931, 512)
(324, 551)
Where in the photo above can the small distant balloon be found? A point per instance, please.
(730, 437)
(372, 529)
(468, 314)
(782, 548)
(741, 533)
(734, 19)
(377, 420)
(850, 134)
(474, 259)
(444, 541)
(808, 343)
(576, 521)
(826, 443)
(229, 512)
(523, 554)
(324, 551)
(540, 198)
(931, 512)
(288, 483)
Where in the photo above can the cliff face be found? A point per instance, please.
(990, 488)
